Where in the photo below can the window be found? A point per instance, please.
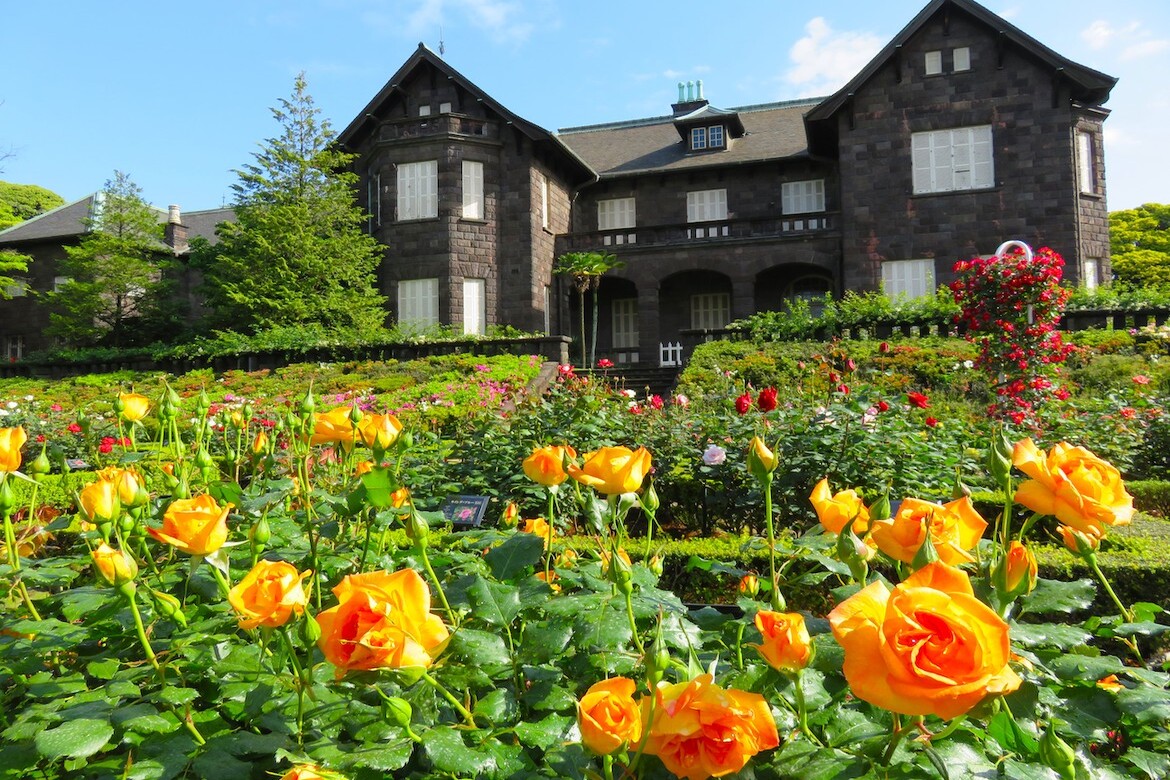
(1086, 170)
(424, 110)
(625, 323)
(444, 108)
(18, 288)
(961, 59)
(418, 190)
(472, 190)
(710, 310)
(698, 138)
(547, 309)
(933, 63)
(950, 160)
(706, 205)
(418, 303)
(474, 306)
(802, 197)
(13, 348)
(374, 199)
(615, 214)
(544, 202)
(59, 282)
(715, 136)
(1091, 269)
(909, 278)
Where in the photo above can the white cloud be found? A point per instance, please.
(1130, 41)
(503, 21)
(1144, 49)
(824, 59)
(1101, 33)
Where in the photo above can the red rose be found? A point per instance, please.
(931, 421)
(767, 400)
(918, 399)
(743, 403)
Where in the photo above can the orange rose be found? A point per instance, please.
(538, 526)
(927, 648)
(11, 442)
(196, 526)
(134, 406)
(609, 717)
(310, 772)
(269, 595)
(700, 730)
(546, 466)
(382, 620)
(260, 443)
(99, 500)
(334, 427)
(954, 529)
(400, 497)
(749, 585)
(613, 470)
(1080, 542)
(1073, 485)
(835, 511)
(379, 430)
(127, 481)
(1016, 573)
(786, 646)
(116, 567)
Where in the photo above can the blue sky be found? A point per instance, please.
(177, 95)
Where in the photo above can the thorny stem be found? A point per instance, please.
(14, 562)
(300, 683)
(446, 694)
(426, 559)
(128, 590)
(771, 544)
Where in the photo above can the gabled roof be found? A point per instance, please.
(70, 221)
(62, 222)
(709, 113)
(366, 119)
(1088, 86)
(771, 131)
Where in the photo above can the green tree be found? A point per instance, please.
(297, 254)
(119, 274)
(586, 269)
(19, 202)
(1140, 244)
(12, 264)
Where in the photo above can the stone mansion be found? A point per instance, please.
(962, 132)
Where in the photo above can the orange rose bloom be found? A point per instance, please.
(334, 427)
(786, 645)
(116, 567)
(700, 730)
(538, 526)
(99, 500)
(954, 529)
(310, 772)
(134, 406)
(1017, 570)
(835, 511)
(382, 620)
(196, 526)
(260, 443)
(546, 466)
(927, 648)
(379, 430)
(11, 441)
(609, 717)
(1073, 485)
(613, 470)
(269, 595)
(1079, 542)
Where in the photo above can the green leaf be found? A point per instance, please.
(444, 747)
(1055, 635)
(545, 733)
(1154, 765)
(74, 738)
(545, 640)
(86, 601)
(515, 556)
(499, 706)
(1145, 703)
(386, 756)
(1081, 667)
(144, 719)
(177, 697)
(378, 487)
(849, 727)
(1145, 628)
(493, 602)
(221, 765)
(1007, 732)
(1055, 596)
(481, 647)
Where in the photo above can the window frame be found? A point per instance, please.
(938, 158)
(912, 278)
(474, 203)
(611, 216)
(423, 203)
(695, 205)
(932, 64)
(479, 325)
(411, 292)
(1086, 151)
(698, 138)
(791, 199)
(710, 308)
(966, 59)
(713, 132)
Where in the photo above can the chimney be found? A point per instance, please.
(175, 234)
(688, 100)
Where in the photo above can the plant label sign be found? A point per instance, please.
(465, 511)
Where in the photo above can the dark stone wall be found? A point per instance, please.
(1035, 194)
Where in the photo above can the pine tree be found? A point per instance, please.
(297, 254)
(118, 276)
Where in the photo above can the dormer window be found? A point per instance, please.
(707, 138)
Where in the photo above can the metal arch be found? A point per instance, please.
(1006, 245)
